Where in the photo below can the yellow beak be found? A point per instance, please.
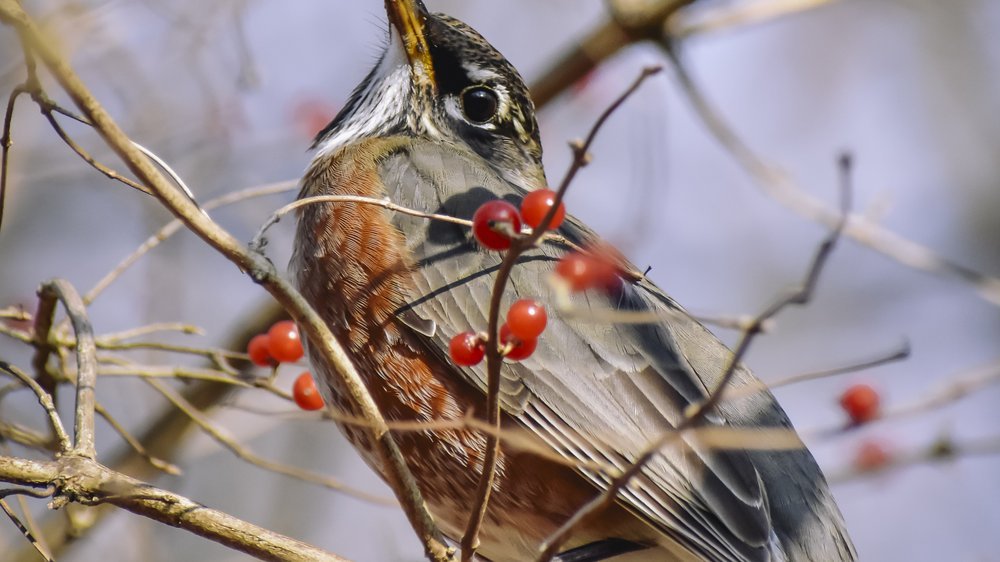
(409, 17)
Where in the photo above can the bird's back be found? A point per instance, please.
(601, 393)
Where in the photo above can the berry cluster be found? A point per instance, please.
(494, 225)
(282, 344)
(526, 321)
(496, 222)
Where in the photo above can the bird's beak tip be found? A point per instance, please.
(409, 18)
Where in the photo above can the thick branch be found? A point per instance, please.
(84, 480)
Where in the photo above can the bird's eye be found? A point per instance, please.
(480, 104)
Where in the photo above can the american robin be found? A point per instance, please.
(442, 124)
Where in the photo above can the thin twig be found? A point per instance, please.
(175, 225)
(29, 519)
(258, 242)
(960, 386)
(233, 446)
(207, 352)
(899, 354)
(49, 108)
(33, 535)
(86, 359)
(944, 449)
(171, 372)
(28, 535)
(738, 15)
(697, 412)
(756, 386)
(776, 184)
(111, 174)
(45, 399)
(494, 355)
(25, 437)
(18, 335)
(158, 463)
(148, 329)
(171, 173)
(6, 141)
(567, 309)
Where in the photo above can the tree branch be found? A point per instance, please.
(259, 268)
(86, 481)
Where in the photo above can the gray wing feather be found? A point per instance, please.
(596, 391)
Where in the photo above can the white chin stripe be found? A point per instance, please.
(377, 101)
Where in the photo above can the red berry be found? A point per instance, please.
(258, 350)
(871, 455)
(284, 342)
(493, 222)
(536, 205)
(466, 349)
(861, 402)
(306, 394)
(522, 348)
(586, 271)
(526, 319)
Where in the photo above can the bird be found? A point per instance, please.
(442, 124)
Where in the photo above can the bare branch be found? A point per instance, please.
(128, 369)
(86, 359)
(944, 449)
(158, 463)
(45, 399)
(48, 107)
(777, 185)
(6, 141)
(959, 387)
(739, 15)
(175, 225)
(152, 329)
(25, 437)
(258, 267)
(85, 481)
(259, 242)
(205, 425)
(898, 354)
(21, 526)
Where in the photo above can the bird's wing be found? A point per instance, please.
(595, 391)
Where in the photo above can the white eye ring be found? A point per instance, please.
(480, 104)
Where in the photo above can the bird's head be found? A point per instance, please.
(439, 79)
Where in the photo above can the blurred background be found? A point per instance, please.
(230, 93)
